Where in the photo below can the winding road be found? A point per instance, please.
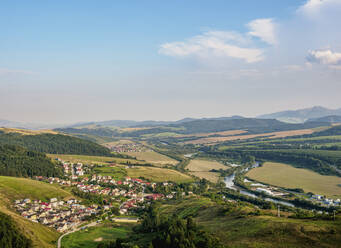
(59, 243)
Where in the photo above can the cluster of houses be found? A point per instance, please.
(131, 147)
(326, 201)
(61, 215)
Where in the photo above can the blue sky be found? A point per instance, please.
(67, 61)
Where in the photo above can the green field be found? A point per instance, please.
(284, 175)
(92, 159)
(117, 172)
(18, 188)
(153, 157)
(12, 188)
(91, 237)
(158, 174)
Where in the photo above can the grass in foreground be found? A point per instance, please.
(158, 174)
(91, 237)
(284, 175)
(238, 227)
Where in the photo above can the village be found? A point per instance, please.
(128, 194)
(58, 214)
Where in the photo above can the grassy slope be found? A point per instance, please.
(287, 176)
(92, 159)
(234, 230)
(153, 157)
(158, 174)
(12, 188)
(86, 238)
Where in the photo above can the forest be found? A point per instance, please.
(19, 162)
(54, 143)
(10, 237)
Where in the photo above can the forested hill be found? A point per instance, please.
(54, 143)
(10, 236)
(19, 162)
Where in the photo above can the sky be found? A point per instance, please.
(72, 61)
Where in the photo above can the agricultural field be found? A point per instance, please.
(273, 135)
(201, 168)
(85, 159)
(210, 176)
(205, 165)
(158, 174)
(26, 131)
(283, 175)
(153, 157)
(92, 236)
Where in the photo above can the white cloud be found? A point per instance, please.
(263, 29)
(312, 7)
(225, 44)
(213, 44)
(324, 57)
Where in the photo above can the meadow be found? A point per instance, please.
(283, 175)
(92, 159)
(12, 188)
(237, 226)
(153, 157)
(91, 237)
(201, 168)
(155, 174)
(117, 172)
(18, 188)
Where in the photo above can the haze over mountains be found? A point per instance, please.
(316, 114)
(302, 115)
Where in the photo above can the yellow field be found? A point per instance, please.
(26, 131)
(92, 159)
(158, 174)
(272, 135)
(153, 157)
(284, 175)
(201, 168)
(204, 165)
(210, 176)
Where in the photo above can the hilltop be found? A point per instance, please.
(302, 115)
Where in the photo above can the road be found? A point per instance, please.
(59, 243)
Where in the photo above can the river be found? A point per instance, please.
(229, 182)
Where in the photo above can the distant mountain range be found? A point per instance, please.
(302, 115)
(314, 114)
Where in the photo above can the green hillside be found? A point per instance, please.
(12, 188)
(54, 143)
(17, 161)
